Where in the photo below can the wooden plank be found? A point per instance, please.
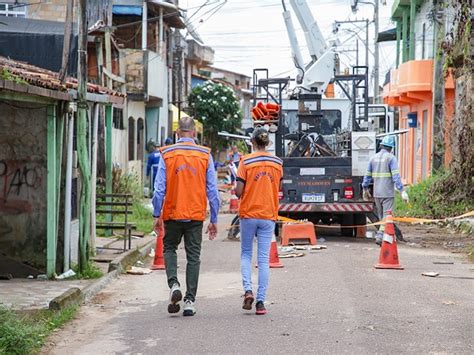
(113, 76)
(113, 212)
(116, 223)
(51, 214)
(114, 195)
(113, 203)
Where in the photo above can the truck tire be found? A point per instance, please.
(347, 220)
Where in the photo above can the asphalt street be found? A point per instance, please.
(329, 301)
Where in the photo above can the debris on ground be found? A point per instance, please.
(437, 274)
(66, 275)
(448, 303)
(291, 255)
(134, 270)
(310, 247)
(430, 274)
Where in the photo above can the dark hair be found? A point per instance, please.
(260, 137)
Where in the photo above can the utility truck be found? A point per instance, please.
(325, 142)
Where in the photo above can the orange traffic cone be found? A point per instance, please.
(274, 259)
(389, 252)
(159, 261)
(234, 202)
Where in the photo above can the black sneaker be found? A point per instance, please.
(175, 297)
(260, 308)
(248, 300)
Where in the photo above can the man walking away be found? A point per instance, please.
(383, 169)
(186, 176)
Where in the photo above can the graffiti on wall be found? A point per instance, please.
(19, 182)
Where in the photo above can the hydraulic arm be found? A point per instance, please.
(317, 74)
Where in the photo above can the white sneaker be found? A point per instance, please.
(189, 309)
(175, 297)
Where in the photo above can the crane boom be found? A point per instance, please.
(295, 48)
(316, 75)
(316, 43)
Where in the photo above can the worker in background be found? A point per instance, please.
(186, 179)
(383, 170)
(258, 183)
(234, 156)
(233, 159)
(152, 165)
(153, 160)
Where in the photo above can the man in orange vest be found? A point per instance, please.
(185, 180)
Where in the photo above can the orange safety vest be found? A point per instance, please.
(186, 167)
(261, 173)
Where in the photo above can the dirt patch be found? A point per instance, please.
(101, 298)
(434, 236)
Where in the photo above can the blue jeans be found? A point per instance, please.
(263, 229)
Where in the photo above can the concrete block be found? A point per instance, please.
(73, 296)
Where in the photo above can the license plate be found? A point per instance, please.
(314, 197)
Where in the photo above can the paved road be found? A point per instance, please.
(329, 301)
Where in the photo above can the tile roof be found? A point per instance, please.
(47, 79)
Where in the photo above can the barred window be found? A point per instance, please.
(13, 10)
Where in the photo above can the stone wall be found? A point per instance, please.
(134, 70)
(23, 179)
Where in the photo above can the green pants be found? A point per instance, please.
(192, 232)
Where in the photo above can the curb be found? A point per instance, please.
(76, 296)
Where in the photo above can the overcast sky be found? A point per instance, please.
(246, 34)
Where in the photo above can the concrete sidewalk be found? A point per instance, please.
(34, 294)
(31, 295)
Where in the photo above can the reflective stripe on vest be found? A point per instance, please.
(383, 183)
(186, 168)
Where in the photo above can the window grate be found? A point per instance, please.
(13, 10)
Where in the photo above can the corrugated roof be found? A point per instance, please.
(25, 25)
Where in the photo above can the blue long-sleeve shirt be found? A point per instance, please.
(211, 187)
(383, 169)
(152, 163)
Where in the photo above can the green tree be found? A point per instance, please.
(216, 106)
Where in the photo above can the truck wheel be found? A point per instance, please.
(347, 220)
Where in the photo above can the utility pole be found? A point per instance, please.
(367, 44)
(66, 41)
(357, 52)
(375, 4)
(438, 87)
(177, 71)
(336, 29)
(376, 52)
(82, 146)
